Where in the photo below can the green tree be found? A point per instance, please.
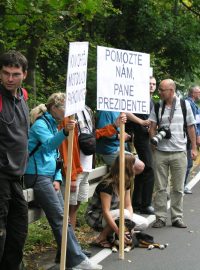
(42, 30)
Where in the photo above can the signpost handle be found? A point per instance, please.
(121, 191)
(66, 199)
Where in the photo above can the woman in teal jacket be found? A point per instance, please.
(43, 174)
(43, 161)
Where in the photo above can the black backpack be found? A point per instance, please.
(87, 140)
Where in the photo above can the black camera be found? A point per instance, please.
(163, 132)
(59, 164)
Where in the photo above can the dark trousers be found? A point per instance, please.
(189, 165)
(144, 182)
(13, 223)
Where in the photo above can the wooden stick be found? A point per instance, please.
(66, 200)
(121, 192)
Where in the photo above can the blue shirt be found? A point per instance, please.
(107, 145)
(195, 111)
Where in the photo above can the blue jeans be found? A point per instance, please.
(52, 204)
(109, 159)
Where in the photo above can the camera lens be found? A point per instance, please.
(154, 141)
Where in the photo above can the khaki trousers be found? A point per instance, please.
(169, 165)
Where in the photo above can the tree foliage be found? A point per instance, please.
(42, 30)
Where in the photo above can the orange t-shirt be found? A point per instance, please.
(106, 131)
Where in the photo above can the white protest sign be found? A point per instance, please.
(123, 80)
(151, 71)
(76, 77)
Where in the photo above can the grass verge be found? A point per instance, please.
(40, 239)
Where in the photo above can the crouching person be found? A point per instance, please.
(103, 209)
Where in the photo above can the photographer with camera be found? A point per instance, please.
(170, 153)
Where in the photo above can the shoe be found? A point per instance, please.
(187, 190)
(87, 253)
(159, 223)
(149, 210)
(57, 258)
(179, 224)
(58, 255)
(136, 208)
(87, 265)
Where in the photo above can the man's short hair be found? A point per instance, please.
(14, 59)
(192, 89)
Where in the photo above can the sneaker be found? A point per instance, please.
(187, 190)
(87, 265)
(57, 258)
(159, 223)
(149, 210)
(179, 224)
(87, 252)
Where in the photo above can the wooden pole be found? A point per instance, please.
(121, 192)
(66, 199)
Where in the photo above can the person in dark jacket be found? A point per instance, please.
(14, 123)
(144, 182)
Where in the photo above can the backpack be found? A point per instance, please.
(25, 95)
(87, 140)
(44, 118)
(184, 112)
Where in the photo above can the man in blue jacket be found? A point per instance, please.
(109, 147)
(14, 123)
(193, 97)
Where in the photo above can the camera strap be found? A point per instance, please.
(171, 112)
(87, 126)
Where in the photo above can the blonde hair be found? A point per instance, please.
(56, 99)
(37, 112)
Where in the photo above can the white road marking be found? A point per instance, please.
(101, 255)
(194, 181)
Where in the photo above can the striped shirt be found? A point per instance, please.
(178, 139)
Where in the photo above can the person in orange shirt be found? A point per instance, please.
(108, 130)
(78, 162)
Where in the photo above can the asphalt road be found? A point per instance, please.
(182, 252)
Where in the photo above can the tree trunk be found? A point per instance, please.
(32, 54)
